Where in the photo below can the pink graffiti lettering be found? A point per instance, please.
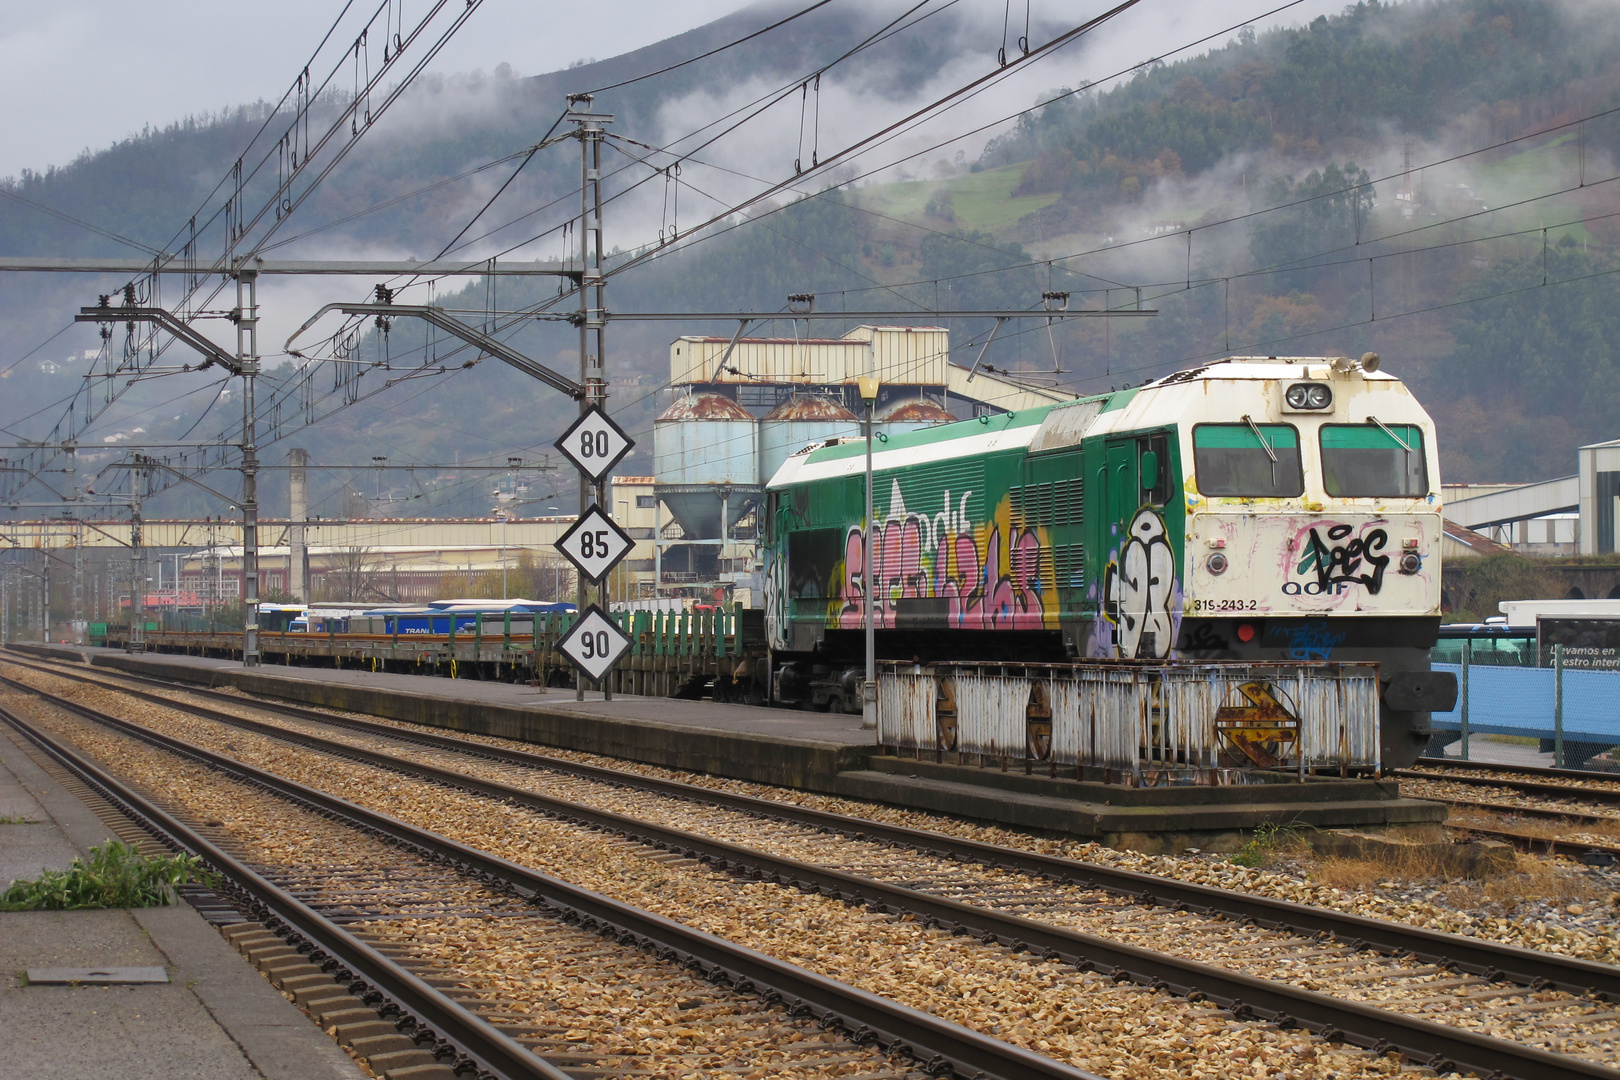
(991, 577)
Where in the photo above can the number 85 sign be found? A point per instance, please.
(594, 443)
(595, 544)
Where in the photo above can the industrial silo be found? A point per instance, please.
(796, 423)
(704, 451)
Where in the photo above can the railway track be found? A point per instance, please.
(1569, 798)
(1595, 788)
(406, 897)
(1010, 905)
(1528, 967)
(1592, 852)
(1530, 773)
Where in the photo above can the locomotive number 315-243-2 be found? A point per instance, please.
(1223, 605)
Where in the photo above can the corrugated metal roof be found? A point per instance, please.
(768, 341)
(915, 356)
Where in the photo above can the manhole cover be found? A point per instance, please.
(100, 976)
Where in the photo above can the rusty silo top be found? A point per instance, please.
(705, 407)
(919, 411)
(810, 407)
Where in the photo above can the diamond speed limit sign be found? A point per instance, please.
(594, 643)
(595, 444)
(595, 544)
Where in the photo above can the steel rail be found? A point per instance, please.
(486, 1046)
(1439, 1046)
(1498, 766)
(1607, 796)
(1574, 816)
(1547, 845)
(1528, 967)
(941, 1046)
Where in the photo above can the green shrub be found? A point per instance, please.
(1269, 839)
(115, 875)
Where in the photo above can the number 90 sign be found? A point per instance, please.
(594, 644)
(595, 443)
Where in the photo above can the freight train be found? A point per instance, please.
(1253, 509)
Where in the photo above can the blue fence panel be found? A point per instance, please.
(1592, 700)
(1519, 701)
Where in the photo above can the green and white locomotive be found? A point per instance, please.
(1258, 508)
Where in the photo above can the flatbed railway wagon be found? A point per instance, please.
(1255, 509)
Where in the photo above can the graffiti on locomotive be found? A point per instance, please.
(987, 572)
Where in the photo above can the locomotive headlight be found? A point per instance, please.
(1216, 563)
(1308, 396)
(1410, 562)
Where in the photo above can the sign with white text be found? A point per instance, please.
(1588, 644)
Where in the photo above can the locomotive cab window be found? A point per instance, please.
(1248, 460)
(1374, 461)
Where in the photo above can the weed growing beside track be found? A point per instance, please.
(114, 875)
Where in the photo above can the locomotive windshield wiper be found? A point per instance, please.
(1385, 427)
(1270, 453)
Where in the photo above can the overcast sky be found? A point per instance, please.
(85, 73)
(78, 74)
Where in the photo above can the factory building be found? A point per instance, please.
(1570, 515)
(197, 564)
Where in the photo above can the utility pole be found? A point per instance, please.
(298, 511)
(868, 385)
(136, 641)
(247, 359)
(76, 610)
(592, 306)
(78, 581)
(245, 362)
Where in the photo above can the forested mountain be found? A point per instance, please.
(1432, 180)
(1266, 122)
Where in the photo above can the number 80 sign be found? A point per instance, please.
(595, 443)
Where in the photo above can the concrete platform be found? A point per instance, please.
(1154, 820)
(805, 750)
(785, 747)
(1496, 753)
(216, 1017)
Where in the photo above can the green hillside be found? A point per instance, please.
(983, 200)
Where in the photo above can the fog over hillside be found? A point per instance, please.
(1254, 189)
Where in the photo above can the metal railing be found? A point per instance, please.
(1142, 724)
